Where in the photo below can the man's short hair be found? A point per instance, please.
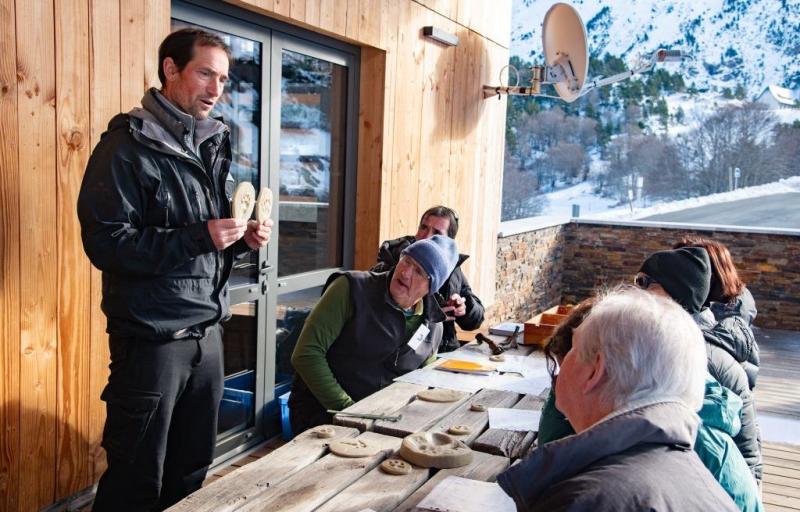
(653, 349)
(443, 211)
(180, 45)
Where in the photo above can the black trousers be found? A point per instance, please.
(161, 400)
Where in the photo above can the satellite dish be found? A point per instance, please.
(565, 51)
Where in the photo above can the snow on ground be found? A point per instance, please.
(624, 213)
(559, 203)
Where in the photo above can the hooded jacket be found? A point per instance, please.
(714, 444)
(729, 373)
(733, 332)
(389, 255)
(636, 459)
(153, 181)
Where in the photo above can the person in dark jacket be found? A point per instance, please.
(367, 329)
(733, 307)
(685, 276)
(630, 385)
(155, 219)
(455, 295)
(719, 415)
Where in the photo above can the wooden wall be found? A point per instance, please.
(67, 66)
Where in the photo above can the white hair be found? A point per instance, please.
(653, 349)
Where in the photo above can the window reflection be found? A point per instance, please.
(237, 408)
(312, 148)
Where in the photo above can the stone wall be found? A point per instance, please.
(566, 263)
(529, 273)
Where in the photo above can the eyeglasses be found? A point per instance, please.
(643, 281)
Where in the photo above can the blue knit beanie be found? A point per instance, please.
(438, 255)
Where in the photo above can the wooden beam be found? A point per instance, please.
(104, 86)
(36, 96)
(9, 264)
(133, 81)
(74, 280)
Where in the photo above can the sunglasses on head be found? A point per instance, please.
(643, 281)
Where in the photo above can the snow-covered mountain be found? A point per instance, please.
(749, 42)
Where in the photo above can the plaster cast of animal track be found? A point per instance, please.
(440, 395)
(244, 200)
(264, 205)
(396, 467)
(435, 450)
(353, 448)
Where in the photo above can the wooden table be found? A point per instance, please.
(303, 475)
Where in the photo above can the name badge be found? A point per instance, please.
(418, 337)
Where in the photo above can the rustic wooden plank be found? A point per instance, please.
(783, 461)
(249, 482)
(312, 12)
(297, 10)
(437, 109)
(510, 443)
(407, 120)
(477, 421)
(385, 401)
(282, 7)
(781, 490)
(38, 254)
(773, 469)
(370, 154)
(156, 28)
(781, 480)
(780, 447)
(484, 467)
(446, 8)
(104, 89)
(773, 500)
(417, 415)
(74, 297)
(378, 491)
(132, 53)
(389, 30)
(353, 21)
(319, 482)
(9, 264)
(371, 18)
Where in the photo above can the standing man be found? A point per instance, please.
(455, 296)
(156, 220)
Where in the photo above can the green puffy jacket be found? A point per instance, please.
(714, 444)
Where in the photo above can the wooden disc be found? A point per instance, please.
(244, 200)
(353, 448)
(477, 408)
(396, 467)
(440, 395)
(498, 358)
(264, 205)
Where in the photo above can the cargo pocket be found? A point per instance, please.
(128, 416)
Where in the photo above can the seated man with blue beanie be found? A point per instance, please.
(367, 329)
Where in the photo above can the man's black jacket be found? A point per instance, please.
(389, 254)
(143, 207)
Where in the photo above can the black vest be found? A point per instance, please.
(372, 348)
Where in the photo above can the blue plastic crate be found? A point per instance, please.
(286, 425)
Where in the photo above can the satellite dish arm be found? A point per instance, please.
(643, 65)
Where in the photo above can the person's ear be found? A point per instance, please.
(170, 69)
(597, 376)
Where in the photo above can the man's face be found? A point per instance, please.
(409, 282)
(432, 225)
(571, 384)
(197, 87)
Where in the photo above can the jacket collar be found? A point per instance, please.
(661, 423)
(175, 129)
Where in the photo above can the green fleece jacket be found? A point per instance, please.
(321, 329)
(721, 421)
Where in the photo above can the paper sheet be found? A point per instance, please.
(526, 365)
(522, 420)
(457, 381)
(526, 386)
(456, 494)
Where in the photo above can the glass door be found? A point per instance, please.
(313, 136)
(244, 108)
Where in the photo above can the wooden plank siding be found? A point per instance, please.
(425, 137)
(105, 87)
(9, 264)
(74, 279)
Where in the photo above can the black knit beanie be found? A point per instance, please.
(685, 274)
